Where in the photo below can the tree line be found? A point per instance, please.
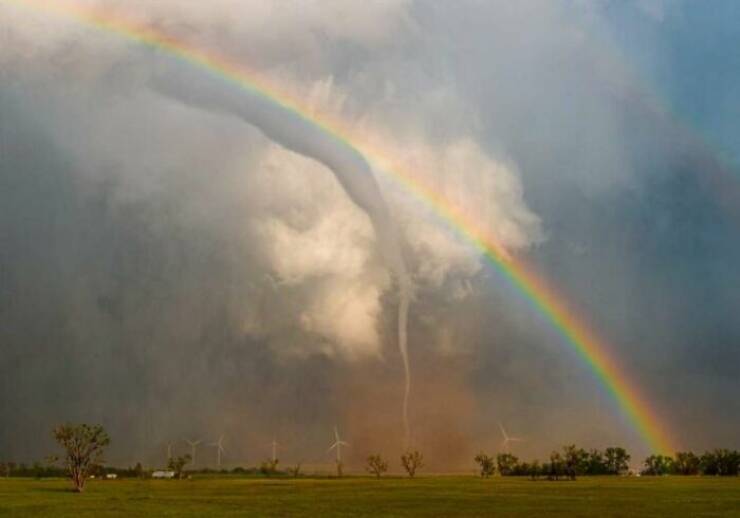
(571, 462)
(568, 463)
(83, 446)
(718, 462)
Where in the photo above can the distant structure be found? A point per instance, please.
(219, 450)
(507, 438)
(169, 452)
(193, 446)
(275, 445)
(163, 474)
(338, 443)
(111, 476)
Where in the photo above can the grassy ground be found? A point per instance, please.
(430, 496)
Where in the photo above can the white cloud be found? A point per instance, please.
(317, 242)
(486, 193)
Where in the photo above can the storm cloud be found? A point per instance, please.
(171, 271)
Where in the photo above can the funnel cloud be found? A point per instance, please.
(302, 136)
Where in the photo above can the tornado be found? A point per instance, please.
(290, 129)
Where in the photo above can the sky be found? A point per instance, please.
(176, 263)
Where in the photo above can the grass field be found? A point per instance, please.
(426, 496)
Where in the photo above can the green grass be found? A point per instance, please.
(426, 496)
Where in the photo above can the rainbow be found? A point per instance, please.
(541, 295)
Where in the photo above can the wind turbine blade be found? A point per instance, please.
(503, 432)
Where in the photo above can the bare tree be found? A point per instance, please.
(412, 461)
(295, 470)
(83, 445)
(376, 465)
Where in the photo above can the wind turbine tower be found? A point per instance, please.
(219, 450)
(275, 445)
(338, 443)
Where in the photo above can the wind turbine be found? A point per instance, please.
(193, 445)
(275, 445)
(169, 451)
(338, 443)
(219, 450)
(507, 438)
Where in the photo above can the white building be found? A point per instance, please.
(163, 474)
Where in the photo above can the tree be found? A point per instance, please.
(729, 462)
(295, 470)
(658, 465)
(595, 463)
(269, 467)
(38, 469)
(556, 467)
(506, 464)
(177, 464)
(412, 461)
(83, 445)
(720, 462)
(535, 470)
(686, 463)
(376, 465)
(486, 463)
(575, 460)
(709, 464)
(616, 460)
